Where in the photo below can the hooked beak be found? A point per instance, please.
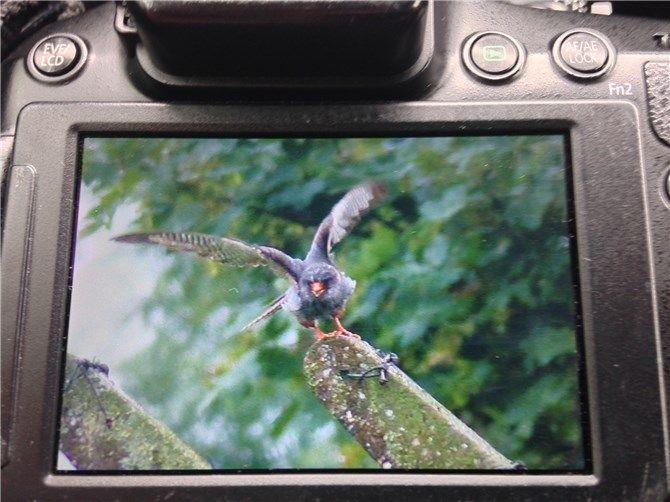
(318, 288)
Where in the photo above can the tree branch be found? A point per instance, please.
(398, 423)
(104, 429)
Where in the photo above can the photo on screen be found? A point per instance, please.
(253, 304)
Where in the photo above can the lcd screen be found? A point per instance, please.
(323, 303)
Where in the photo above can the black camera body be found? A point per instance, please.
(232, 69)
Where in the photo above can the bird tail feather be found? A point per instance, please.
(274, 307)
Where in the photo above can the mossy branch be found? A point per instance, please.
(104, 429)
(398, 423)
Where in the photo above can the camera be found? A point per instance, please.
(335, 250)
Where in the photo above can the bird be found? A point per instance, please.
(319, 290)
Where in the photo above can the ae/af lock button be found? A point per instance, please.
(583, 53)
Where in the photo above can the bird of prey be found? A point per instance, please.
(319, 291)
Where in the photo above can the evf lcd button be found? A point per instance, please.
(492, 55)
(583, 53)
(57, 57)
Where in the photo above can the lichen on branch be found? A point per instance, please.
(399, 424)
(104, 429)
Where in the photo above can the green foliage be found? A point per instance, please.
(464, 273)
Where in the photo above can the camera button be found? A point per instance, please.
(57, 58)
(583, 53)
(492, 55)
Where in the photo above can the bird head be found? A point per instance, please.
(318, 288)
(320, 280)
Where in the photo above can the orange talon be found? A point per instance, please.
(341, 330)
(320, 335)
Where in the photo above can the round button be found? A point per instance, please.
(493, 53)
(492, 56)
(56, 56)
(584, 52)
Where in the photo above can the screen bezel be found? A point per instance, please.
(613, 262)
(581, 415)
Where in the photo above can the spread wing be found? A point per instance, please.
(220, 249)
(345, 215)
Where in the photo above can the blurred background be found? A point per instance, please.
(464, 273)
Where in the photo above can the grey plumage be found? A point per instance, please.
(319, 290)
(345, 215)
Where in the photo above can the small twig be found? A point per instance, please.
(382, 371)
(108, 421)
(82, 366)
